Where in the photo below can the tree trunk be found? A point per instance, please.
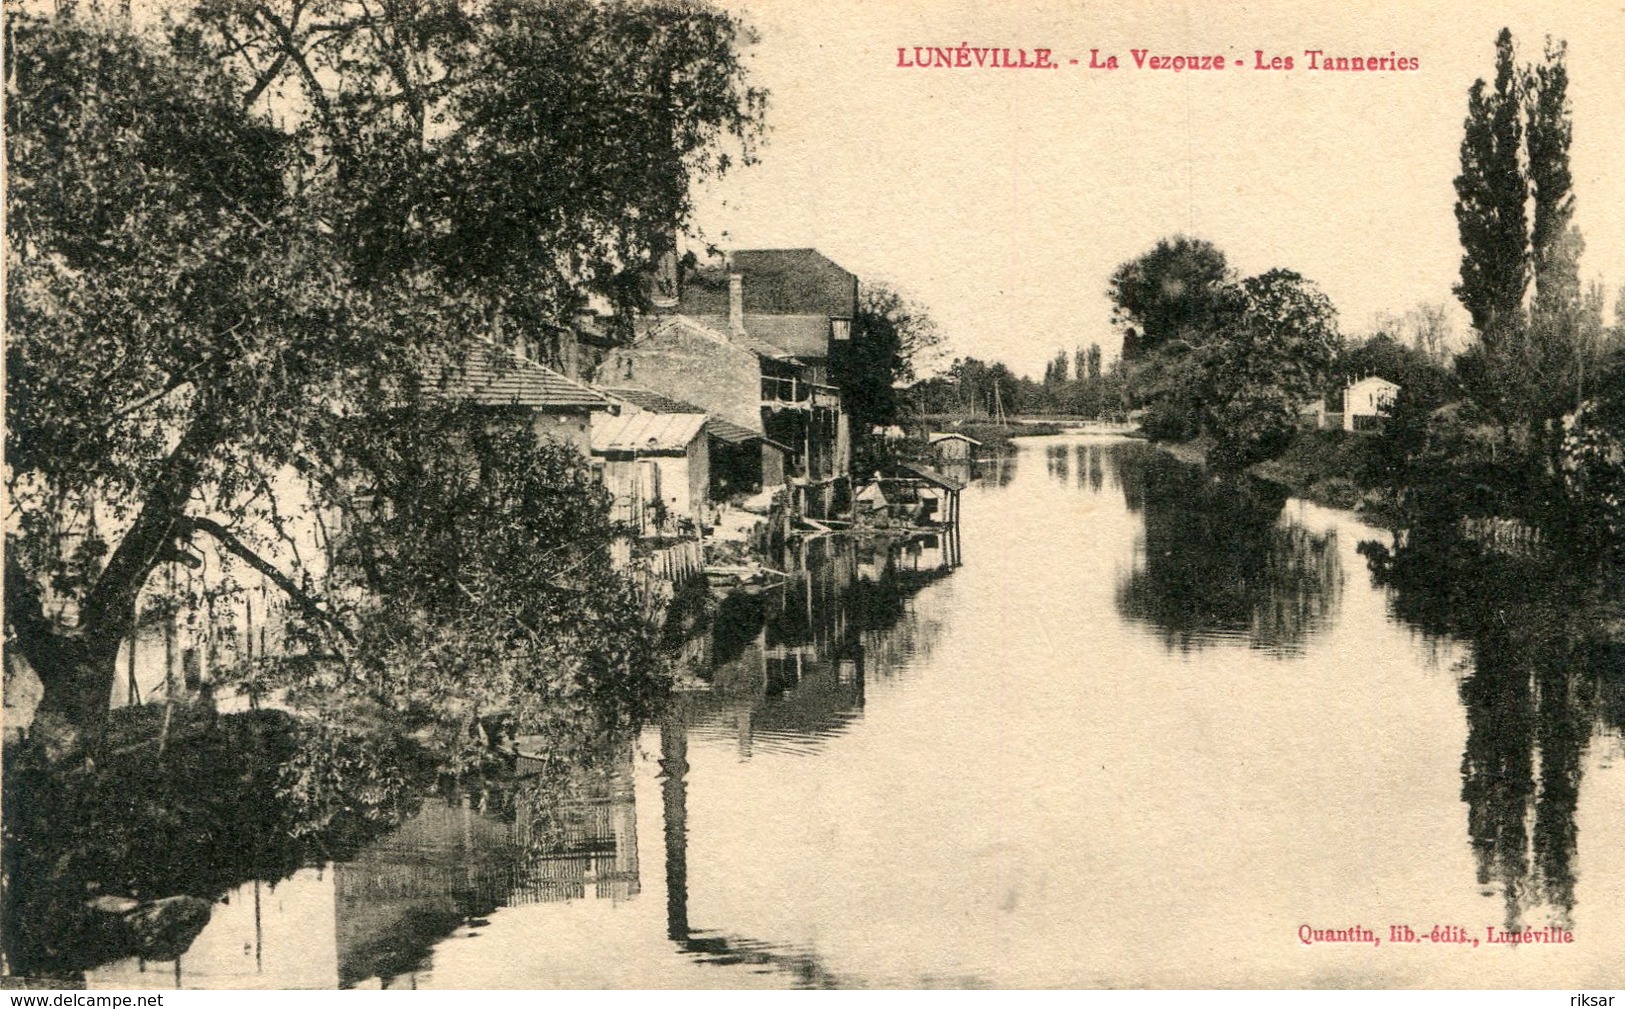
(78, 687)
(77, 666)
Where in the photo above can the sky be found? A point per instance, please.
(1003, 199)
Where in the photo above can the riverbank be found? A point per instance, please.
(998, 439)
(1341, 470)
(1330, 468)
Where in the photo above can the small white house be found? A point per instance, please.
(657, 465)
(951, 446)
(1365, 401)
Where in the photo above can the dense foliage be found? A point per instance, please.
(235, 242)
(490, 608)
(893, 339)
(1245, 358)
(1271, 355)
(1168, 294)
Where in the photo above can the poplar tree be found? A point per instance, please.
(1491, 192)
(1558, 341)
(1555, 251)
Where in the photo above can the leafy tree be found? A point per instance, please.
(1593, 463)
(170, 326)
(490, 602)
(1169, 387)
(201, 303)
(1168, 294)
(1425, 328)
(526, 150)
(892, 336)
(1055, 373)
(1272, 354)
(1491, 193)
(1514, 152)
(1554, 249)
(1412, 370)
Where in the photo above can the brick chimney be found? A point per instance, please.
(736, 301)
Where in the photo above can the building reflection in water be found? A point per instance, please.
(710, 946)
(786, 669)
(462, 857)
(372, 920)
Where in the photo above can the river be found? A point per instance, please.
(1155, 731)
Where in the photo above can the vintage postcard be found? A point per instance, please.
(715, 494)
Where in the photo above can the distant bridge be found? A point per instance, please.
(1078, 423)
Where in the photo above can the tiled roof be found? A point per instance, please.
(493, 376)
(648, 399)
(646, 432)
(656, 402)
(730, 432)
(776, 281)
(715, 327)
(762, 348)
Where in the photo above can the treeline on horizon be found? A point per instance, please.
(1525, 423)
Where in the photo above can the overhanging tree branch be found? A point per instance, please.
(308, 604)
(153, 530)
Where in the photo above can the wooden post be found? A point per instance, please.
(958, 559)
(134, 691)
(169, 640)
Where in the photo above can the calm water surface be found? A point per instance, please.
(1152, 727)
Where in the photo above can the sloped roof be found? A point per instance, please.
(797, 281)
(713, 326)
(648, 399)
(494, 376)
(871, 494)
(749, 341)
(776, 282)
(657, 402)
(930, 475)
(1376, 380)
(647, 432)
(801, 335)
(728, 431)
(937, 436)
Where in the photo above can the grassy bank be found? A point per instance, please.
(1331, 468)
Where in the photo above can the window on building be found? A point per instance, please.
(840, 329)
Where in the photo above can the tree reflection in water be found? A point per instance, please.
(1056, 461)
(1544, 675)
(1216, 562)
(995, 470)
(222, 800)
(422, 855)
